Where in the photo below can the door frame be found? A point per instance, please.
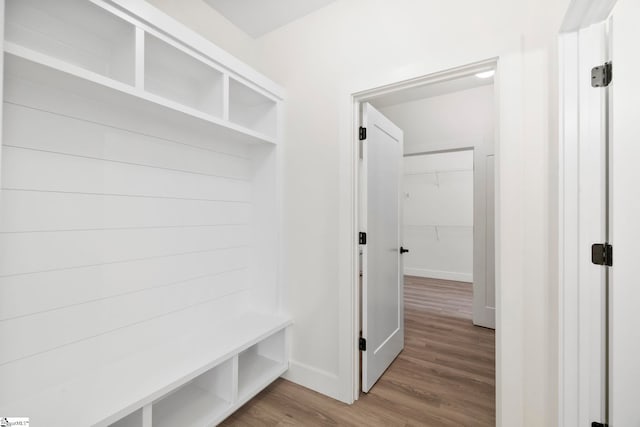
(574, 394)
(368, 95)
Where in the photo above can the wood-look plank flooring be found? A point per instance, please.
(445, 376)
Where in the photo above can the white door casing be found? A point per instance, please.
(583, 217)
(625, 217)
(382, 281)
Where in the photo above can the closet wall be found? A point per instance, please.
(438, 215)
(454, 120)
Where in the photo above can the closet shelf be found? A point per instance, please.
(125, 386)
(23, 62)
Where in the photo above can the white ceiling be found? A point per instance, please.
(258, 17)
(430, 90)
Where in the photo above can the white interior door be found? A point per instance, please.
(484, 260)
(624, 299)
(382, 280)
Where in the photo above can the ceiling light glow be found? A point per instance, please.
(485, 74)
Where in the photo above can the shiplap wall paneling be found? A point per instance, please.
(264, 259)
(135, 216)
(137, 227)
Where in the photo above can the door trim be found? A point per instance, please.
(573, 399)
(368, 95)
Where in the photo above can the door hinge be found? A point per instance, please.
(362, 238)
(602, 254)
(362, 344)
(597, 424)
(601, 76)
(363, 133)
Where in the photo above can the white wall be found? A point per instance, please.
(353, 45)
(460, 119)
(438, 215)
(204, 19)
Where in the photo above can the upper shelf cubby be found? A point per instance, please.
(110, 52)
(78, 32)
(251, 109)
(177, 76)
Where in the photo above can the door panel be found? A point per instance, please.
(382, 282)
(484, 308)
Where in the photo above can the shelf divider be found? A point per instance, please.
(139, 80)
(24, 62)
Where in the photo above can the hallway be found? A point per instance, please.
(445, 376)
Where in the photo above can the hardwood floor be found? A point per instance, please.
(445, 376)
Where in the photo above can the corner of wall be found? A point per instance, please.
(212, 25)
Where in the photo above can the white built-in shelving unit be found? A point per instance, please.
(140, 219)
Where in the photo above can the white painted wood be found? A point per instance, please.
(85, 139)
(250, 109)
(159, 21)
(147, 416)
(139, 58)
(569, 230)
(484, 304)
(200, 402)
(45, 251)
(154, 373)
(45, 171)
(25, 62)
(35, 93)
(140, 226)
(77, 137)
(625, 211)
(582, 204)
(225, 96)
(258, 363)
(264, 265)
(54, 370)
(77, 32)
(27, 294)
(490, 238)
(132, 420)
(583, 13)
(31, 335)
(382, 278)
(175, 75)
(592, 221)
(78, 211)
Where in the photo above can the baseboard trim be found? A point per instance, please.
(437, 274)
(315, 379)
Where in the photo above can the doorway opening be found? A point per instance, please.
(445, 200)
